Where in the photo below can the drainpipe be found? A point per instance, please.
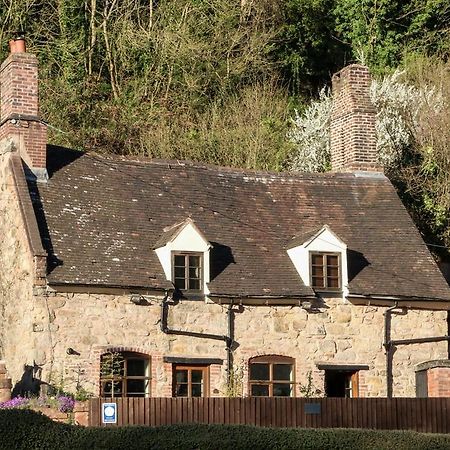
(389, 348)
(228, 339)
(390, 344)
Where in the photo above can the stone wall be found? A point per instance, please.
(22, 309)
(340, 333)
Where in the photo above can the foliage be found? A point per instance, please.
(111, 364)
(63, 403)
(308, 389)
(310, 134)
(307, 49)
(29, 430)
(382, 32)
(235, 382)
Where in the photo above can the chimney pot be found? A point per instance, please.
(17, 45)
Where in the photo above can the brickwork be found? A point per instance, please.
(439, 382)
(19, 112)
(5, 384)
(353, 134)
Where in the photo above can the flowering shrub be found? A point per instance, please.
(16, 402)
(66, 404)
(398, 105)
(63, 403)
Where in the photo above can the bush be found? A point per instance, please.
(23, 429)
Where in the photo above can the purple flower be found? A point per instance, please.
(16, 402)
(66, 404)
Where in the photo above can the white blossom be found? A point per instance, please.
(398, 105)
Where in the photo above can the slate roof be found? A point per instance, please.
(100, 218)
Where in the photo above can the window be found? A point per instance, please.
(271, 376)
(325, 271)
(124, 374)
(341, 383)
(190, 381)
(187, 271)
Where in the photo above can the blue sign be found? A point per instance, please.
(109, 413)
(312, 408)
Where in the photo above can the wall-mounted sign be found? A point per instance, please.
(312, 408)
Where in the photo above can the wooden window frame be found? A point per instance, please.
(324, 266)
(190, 368)
(124, 378)
(271, 361)
(186, 256)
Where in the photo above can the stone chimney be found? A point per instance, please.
(19, 108)
(353, 135)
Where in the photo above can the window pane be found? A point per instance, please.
(181, 376)
(282, 390)
(180, 283)
(333, 282)
(317, 260)
(333, 272)
(332, 260)
(317, 282)
(197, 376)
(136, 367)
(179, 260)
(194, 261)
(282, 372)
(196, 390)
(259, 371)
(109, 386)
(194, 284)
(317, 271)
(194, 272)
(181, 390)
(136, 388)
(179, 272)
(260, 390)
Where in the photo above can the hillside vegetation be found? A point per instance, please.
(220, 80)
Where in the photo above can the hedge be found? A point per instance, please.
(25, 429)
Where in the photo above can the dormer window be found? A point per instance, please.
(320, 258)
(187, 271)
(325, 271)
(183, 252)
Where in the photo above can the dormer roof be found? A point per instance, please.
(306, 237)
(171, 232)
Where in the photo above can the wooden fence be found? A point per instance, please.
(420, 414)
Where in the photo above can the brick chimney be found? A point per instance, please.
(353, 135)
(19, 108)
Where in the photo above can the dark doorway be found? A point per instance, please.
(341, 383)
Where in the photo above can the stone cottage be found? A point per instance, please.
(139, 277)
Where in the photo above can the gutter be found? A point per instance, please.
(228, 339)
(390, 344)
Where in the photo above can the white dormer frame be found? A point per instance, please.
(323, 241)
(186, 239)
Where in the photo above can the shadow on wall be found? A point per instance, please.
(29, 384)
